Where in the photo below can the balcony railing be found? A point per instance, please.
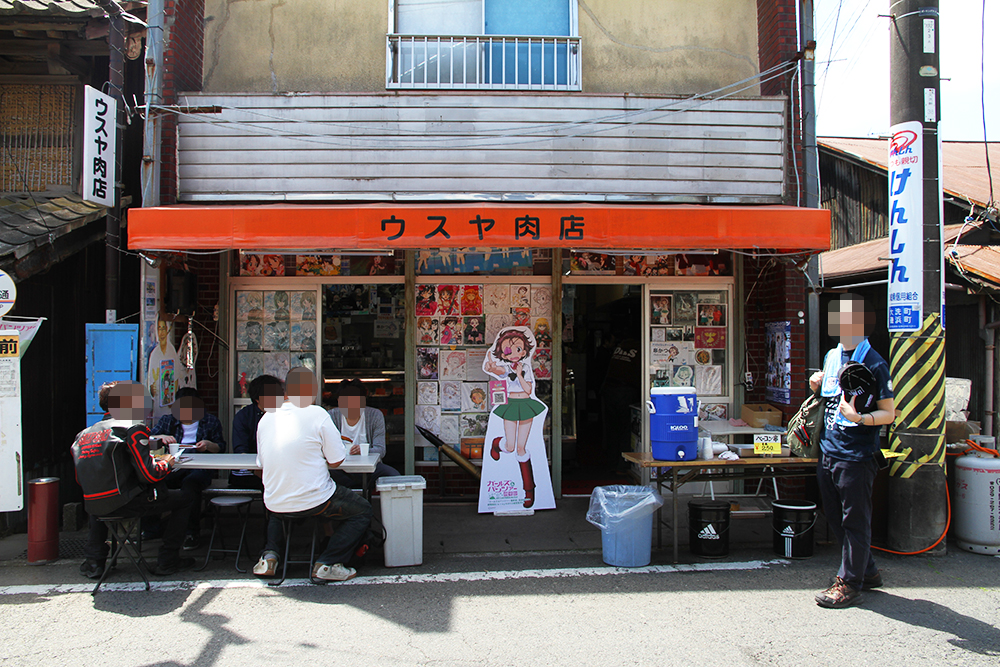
(482, 62)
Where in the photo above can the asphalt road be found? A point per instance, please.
(515, 610)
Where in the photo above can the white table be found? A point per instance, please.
(721, 427)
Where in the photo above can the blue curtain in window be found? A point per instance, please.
(523, 63)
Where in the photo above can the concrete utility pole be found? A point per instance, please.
(917, 504)
(116, 80)
(807, 45)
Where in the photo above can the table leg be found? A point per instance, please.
(673, 472)
(659, 512)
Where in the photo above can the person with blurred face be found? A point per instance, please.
(121, 477)
(358, 424)
(245, 428)
(297, 443)
(198, 432)
(853, 419)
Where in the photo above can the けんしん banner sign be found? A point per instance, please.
(100, 131)
(906, 226)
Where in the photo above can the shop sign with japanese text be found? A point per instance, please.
(99, 135)
(906, 226)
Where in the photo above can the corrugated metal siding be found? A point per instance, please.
(482, 147)
(857, 198)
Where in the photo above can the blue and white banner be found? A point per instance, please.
(906, 221)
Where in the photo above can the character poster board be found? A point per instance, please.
(778, 378)
(515, 468)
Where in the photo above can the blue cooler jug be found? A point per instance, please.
(673, 423)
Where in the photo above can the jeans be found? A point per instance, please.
(351, 514)
(846, 490)
(177, 503)
(353, 480)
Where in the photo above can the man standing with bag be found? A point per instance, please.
(853, 418)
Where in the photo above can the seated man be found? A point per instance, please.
(296, 443)
(120, 477)
(245, 428)
(188, 424)
(358, 423)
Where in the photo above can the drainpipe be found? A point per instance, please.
(155, 38)
(810, 158)
(989, 333)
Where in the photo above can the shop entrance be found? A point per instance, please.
(602, 358)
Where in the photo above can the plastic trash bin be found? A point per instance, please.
(402, 502)
(625, 516)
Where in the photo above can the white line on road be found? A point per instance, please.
(442, 577)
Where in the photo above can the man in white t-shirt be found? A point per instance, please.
(358, 423)
(297, 443)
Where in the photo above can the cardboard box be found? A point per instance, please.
(758, 415)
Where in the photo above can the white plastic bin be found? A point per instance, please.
(402, 501)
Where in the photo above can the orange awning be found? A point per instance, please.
(382, 226)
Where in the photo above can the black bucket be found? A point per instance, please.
(793, 522)
(708, 528)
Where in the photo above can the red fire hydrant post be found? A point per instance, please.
(43, 520)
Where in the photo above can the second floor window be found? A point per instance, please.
(484, 44)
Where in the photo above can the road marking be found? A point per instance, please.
(442, 577)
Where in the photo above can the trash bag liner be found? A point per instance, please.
(611, 505)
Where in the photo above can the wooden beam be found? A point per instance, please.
(38, 47)
(61, 62)
(22, 24)
(38, 79)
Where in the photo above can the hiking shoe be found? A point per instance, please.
(92, 569)
(838, 596)
(870, 581)
(191, 542)
(179, 565)
(267, 566)
(336, 572)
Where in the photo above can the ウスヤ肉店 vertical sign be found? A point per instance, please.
(99, 137)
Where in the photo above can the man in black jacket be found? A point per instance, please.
(245, 428)
(120, 477)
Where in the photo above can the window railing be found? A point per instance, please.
(490, 62)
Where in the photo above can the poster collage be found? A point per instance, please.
(688, 337)
(683, 264)
(258, 264)
(275, 331)
(456, 324)
(778, 379)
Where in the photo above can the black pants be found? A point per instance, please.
(350, 514)
(191, 483)
(353, 480)
(846, 489)
(177, 503)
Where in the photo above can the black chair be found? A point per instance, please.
(287, 525)
(125, 535)
(242, 506)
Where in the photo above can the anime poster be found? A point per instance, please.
(376, 265)
(426, 300)
(711, 315)
(708, 380)
(302, 305)
(497, 298)
(450, 429)
(515, 468)
(497, 321)
(543, 364)
(451, 331)
(447, 300)
(249, 365)
(474, 366)
(451, 395)
(277, 364)
(275, 336)
(252, 264)
(683, 376)
(474, 425)
(249, 335)
(660, 312)
(658, 334)
(451, 364)
(472, 300)
(520, 296)
(427, 393)
(427, 363)
(685, 307)
(302, 336)
(249, 305)
(543, 336)
(165, 373)
(541, 300)
(592, 262)
(522, 317)
(777, 379)
(474, 332)
(713, 411)
(427, 330)
(474, 397)
(317, 265)
(429, 417)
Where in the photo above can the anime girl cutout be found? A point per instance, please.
(509, 360)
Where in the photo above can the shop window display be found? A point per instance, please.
(275, 331)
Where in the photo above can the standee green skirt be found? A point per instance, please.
(519, 409)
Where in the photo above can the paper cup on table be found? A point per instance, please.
(174, 449)
(364, 448)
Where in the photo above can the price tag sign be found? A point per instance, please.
(767, 443)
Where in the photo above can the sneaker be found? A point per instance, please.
(335, 572)
(191, 542)
(838, 596)
(870, 581)
(92, 569)
(179, 565)
(267, 566)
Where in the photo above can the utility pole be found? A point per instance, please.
(917, 491)
(810, 156)
(116, 80)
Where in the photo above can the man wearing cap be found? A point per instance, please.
(854, 416)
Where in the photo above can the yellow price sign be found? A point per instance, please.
(767, 443)
(9, 346)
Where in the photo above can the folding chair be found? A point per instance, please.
(124, 535)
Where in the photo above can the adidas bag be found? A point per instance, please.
(805, 428)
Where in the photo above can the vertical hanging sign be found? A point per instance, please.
(99, 135)
(906, 225)
(11, 477)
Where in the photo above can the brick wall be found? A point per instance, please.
(210, 352)
(457, 482)
(184, 28)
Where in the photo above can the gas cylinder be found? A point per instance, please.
(976, 504)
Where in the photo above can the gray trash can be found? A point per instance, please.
(402, 502)
(625, 516)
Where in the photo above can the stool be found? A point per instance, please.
(287, 524)
(124, 535)
(242, 505)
